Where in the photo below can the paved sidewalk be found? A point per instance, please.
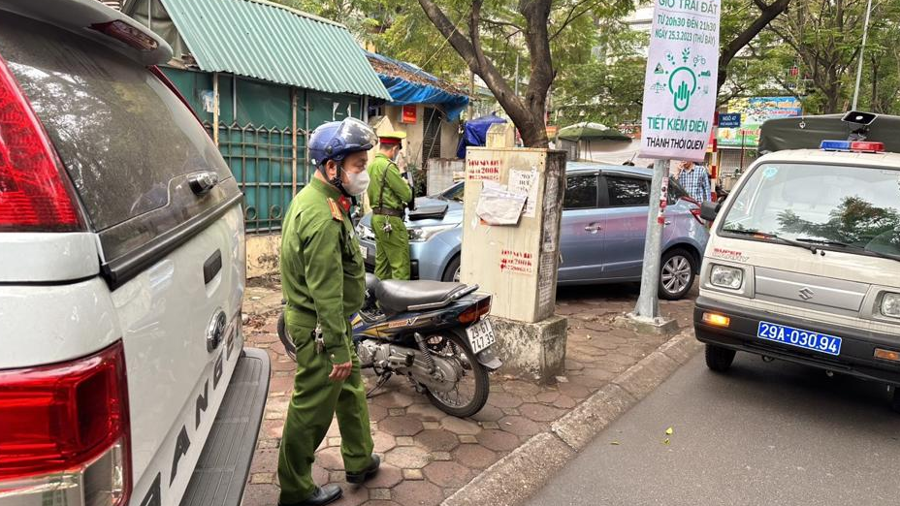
(428, 455)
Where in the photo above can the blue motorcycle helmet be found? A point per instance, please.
(337, 139)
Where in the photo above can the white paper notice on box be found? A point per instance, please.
(499, 206)
(524, 181)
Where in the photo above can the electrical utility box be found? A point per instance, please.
(516, 263)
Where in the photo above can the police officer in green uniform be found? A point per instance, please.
(323, 280)
(389, 195)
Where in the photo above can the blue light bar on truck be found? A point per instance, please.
(835, 146)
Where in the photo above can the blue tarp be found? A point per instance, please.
(404, 92)
(475, 133)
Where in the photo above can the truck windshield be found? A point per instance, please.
(850, 208)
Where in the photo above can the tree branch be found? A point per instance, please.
(470, 50)
(570, 17)
(495, 22)
(767, 14)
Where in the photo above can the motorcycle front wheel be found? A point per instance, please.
(470, 393)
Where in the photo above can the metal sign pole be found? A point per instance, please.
(647, 307)
(862, 49)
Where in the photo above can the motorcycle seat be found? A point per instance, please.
(372, 282)
(397, 296)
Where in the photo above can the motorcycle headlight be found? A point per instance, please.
(726, 277)
(890, 305)
(422, 234)
(365, 232)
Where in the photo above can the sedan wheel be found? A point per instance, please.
(677, 275)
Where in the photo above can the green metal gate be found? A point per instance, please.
(262, 134)
(261, 160)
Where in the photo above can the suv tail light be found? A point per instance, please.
(65, 433)
(34, 194)
(127, 34)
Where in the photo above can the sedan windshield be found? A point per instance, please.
(846, 208)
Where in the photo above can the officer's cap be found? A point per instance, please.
(391, 138)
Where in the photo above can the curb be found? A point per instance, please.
(514, 478)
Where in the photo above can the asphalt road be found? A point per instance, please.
(764, 434)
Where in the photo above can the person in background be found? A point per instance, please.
(694, 179)
(389, 195)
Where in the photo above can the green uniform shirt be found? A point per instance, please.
(322, 273)
(397, 192)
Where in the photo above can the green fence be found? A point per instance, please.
(255, 135)
(261, 160)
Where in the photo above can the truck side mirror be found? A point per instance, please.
(709, 210)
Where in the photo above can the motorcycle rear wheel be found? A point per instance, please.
(450, 347)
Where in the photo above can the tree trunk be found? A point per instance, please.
(527, 115)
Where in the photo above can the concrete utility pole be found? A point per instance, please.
(862, 49)
(647, 308)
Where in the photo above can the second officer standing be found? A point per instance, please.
(389, 194)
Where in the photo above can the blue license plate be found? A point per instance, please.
(800, 338)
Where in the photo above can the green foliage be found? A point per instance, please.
(822, 39)
(609, 88)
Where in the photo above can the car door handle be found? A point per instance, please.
(593, 228)
(212, 266)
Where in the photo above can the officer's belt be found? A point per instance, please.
(301, 317)
(387, 211)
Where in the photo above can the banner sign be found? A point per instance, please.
(680, 82)
(754, 112)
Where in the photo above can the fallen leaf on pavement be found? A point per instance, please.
(670, 431)
(615, 443)
(666, 441)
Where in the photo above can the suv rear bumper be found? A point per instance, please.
(221, 473)
(857, 347)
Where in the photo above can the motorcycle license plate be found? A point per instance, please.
(481, 336)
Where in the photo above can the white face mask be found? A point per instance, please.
(358, 183)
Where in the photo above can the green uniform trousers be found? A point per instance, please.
(391, 248)
(314, 403)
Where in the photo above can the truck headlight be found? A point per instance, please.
(726, 277)
(890, 305)
(422, 234)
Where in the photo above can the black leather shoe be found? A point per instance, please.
(322, 496)
(365, 474)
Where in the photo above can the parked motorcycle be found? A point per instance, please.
(432, 333)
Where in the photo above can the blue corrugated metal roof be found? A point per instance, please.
(266, 41)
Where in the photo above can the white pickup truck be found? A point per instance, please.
(123, 377)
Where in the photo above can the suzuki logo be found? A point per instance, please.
(806, 293)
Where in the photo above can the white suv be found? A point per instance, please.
(123, 378)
